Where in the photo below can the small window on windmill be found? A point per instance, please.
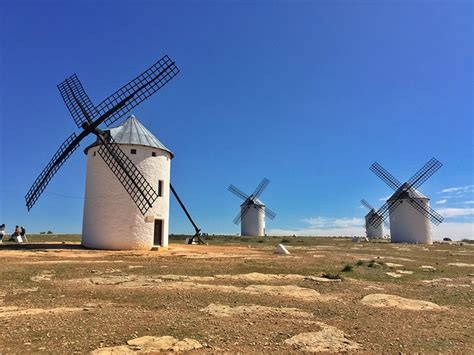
(133, 151)
(160, 188)
(94, 154)
(153, 154)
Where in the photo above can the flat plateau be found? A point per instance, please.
(236, 295)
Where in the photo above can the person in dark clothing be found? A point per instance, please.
(23, 234)
(15, 234)
(2, 232)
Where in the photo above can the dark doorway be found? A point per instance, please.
(158, 233)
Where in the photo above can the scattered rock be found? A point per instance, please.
(113, 279)
(321, 279)
(306, 294)
(185, 278)
(135, 266)
(186, 344)
(441, 279)
(427, 268)
(114, 350)
(45, 275)
(219, 310)
(13, 311)
(281, 249)
(404, 272)
(381, 300)
(393, 274)
(328, 339)
(393, 265)
(461, 264)
(370, 287)
(151, 344)
(259, 277)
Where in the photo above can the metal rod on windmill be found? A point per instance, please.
(252, 211)
(409, 210)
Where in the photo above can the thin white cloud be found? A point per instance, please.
(319, 232)
(325, 226)
(456, 212)
(441, 202)
(458, 189)
(469, 202)
(328, 222)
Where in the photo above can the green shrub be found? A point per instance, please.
(359, 263)
(49, 232)
(347, 268)
(371, 263)
(284, 240)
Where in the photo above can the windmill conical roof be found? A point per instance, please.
(411, 193)
(371, 213)
(132, 131)
(255, 201)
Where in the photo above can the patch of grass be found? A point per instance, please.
(347, 268)
(359, 263)
(285, 241)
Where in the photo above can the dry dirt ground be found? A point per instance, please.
(238, 296)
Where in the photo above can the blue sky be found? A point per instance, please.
(306, 93)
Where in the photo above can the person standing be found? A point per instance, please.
(2, 232)
(16, 234)
(23, 234)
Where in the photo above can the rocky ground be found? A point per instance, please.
(235, 295)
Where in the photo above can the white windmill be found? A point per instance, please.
(409, 210)
(111, 219)
(372, 232)
(252, 211)
(128, 169)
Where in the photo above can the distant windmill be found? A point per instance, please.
(409, 210)
(111, 220)
(252, 211)
(373, 232)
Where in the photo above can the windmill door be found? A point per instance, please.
(158, 232)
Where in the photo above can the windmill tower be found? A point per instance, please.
(373, 232)
(105, 226)
(409, 210)
(252, 211)
(117, 218)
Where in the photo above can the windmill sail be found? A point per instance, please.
(78, 103)
(138, 90)
(88, 117)
(128, 174)
(58, 159)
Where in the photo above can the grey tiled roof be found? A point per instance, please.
(131, 131)
(412, 194)
(255, 201)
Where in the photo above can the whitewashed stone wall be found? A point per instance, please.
(408, 225)
(111, 218)
(253, 222)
